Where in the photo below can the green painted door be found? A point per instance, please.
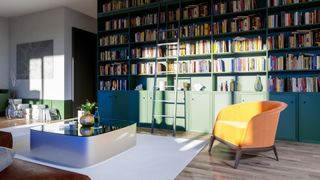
(309, 119)
(200, 112)
(120, 108)
(220, 100)
(288, 122)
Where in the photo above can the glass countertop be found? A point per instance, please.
(73, 128)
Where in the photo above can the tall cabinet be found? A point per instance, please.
(237, 50)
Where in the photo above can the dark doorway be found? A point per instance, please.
(84, 53)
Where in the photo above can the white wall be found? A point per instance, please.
(56, 25)
(80, 21)
(4, 53)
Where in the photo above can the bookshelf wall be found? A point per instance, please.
(224, 45)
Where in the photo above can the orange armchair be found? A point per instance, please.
(248, 127)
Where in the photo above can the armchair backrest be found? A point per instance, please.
(262, 118)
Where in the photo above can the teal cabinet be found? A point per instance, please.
(200, 112)
(309, 119)
(288, 121)
(220, 101)
(138, 107)
(105, 104)
(120, 105)
(241, 97)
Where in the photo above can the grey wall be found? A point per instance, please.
(56, 25)
(4, 53)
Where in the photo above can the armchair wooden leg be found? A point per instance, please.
(275, 152)
(211, 143)
(237, 159)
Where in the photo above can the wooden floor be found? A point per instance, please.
(297, 160)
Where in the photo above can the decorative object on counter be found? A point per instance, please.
(186, 86)
(86, 131)
(96, 118)
(87, 119)
(232, 85)
(258, 84)
(162, 85)
(198, 87)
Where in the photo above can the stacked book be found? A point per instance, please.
(113, 54)
(195, 11)
(294, 84)
(113, 85)
(219, 65)
(113, 69)
(147, 68)
(195, 66)
(147, 35)
(115, 5)
(195, 30)
(224, 7)
(194, 48)
(295, 62)
(114, 24)
(300, 38)
(285, 19)
(238, 24)
(238, 45)
(252, 64)
(275, 3)
(174, 15)
(146, 52)
(144, 20)
(113, 40)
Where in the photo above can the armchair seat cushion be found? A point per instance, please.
(230, 131)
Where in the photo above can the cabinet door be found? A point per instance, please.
(133, 106)
(200, 110)
(250, 97)
(105, 104)
(220, 100)
(309, 119)
(120, 108)
(143, 115)
(287, 126)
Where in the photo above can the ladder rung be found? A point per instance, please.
(167, 30)
(166, 44)
(168, 57)
(167, 116)
(168, 101)
(166, 86)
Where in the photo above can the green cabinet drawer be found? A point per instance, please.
(241, 97)
(288, 121)
(309, 119)
(200, 112)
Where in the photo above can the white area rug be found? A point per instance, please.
(153, 158)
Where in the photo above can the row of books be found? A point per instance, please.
(195, 30)
(285, 19)
(238, 24)
(147, 68)
(294, 62)
(194, 48)
(144, 20)
(238, 45)
(275, 3)
(145, 52)
(252, 64)
(117, 69)
(294, 84)
(194, 66)
(113, 54)
(114, 5)
(114, 85)
(296, 39)
(224, 7)
(113, 39)
(196, 11)
(174, 15)
(147, 35)
(164, 35)
(114, 24)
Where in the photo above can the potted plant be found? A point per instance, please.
(87, 119)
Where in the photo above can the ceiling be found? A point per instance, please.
(14, 8)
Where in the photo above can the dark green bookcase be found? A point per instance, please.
(299, 122)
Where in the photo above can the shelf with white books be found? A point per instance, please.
(240, 54)
(244, 33)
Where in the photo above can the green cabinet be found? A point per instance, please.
(309, 119)
(200, 112)
(288, 121)
(241, 97)
(220, 100)
(105, 104)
